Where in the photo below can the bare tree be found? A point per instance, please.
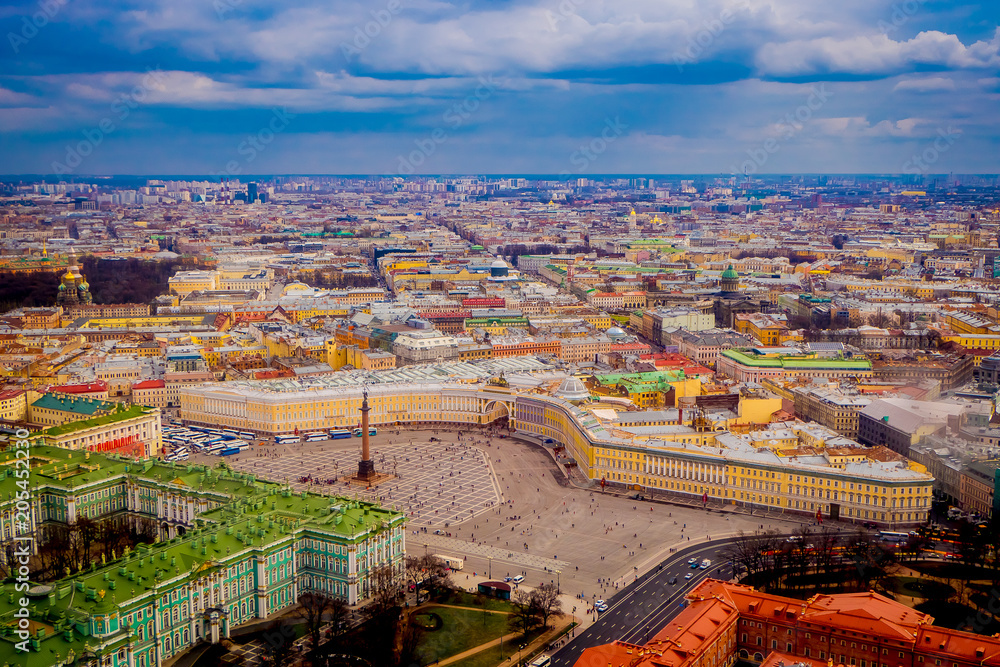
(279, 648)
(525, 614)
(547, 602)
(312, 606)
(386, 587)
(428, 571)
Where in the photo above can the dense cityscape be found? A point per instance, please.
(297, 420)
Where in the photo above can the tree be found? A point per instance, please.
(872, 561)
(386, 587)
(525, 615)
(428, 571)
(312, 606)
(755, 553)
(279, 648)
(547, 602)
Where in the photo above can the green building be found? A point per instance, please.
(234, 549)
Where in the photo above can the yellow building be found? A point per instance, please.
(770, 332)
(785, 467)
(13, 405)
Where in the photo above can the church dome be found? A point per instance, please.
(572, 389)
(62, 287)
(499, 268)
(616, 332)
(730, 273)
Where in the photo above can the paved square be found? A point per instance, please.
(438, 484)
(504, 506)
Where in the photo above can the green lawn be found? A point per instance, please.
(491, 657)
(917, 587)
(461, 630)
(464, 599)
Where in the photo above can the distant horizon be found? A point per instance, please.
(568, 87)
(528, 176)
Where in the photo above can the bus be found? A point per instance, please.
(340, 434)
(215, 449)
(371, 431)
(287, 439)
(316, 437)
(231, 432)
(248, 435)
(893, 538)
(451, 561)
(200, 429)
(229, 451)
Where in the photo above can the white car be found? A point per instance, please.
(688, 575)
(518, 579)
(599, 603)
(601, 608)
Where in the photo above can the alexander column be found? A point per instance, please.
(366, 467)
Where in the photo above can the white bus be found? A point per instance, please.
(316, 437)
(451, 561)
(287, 439)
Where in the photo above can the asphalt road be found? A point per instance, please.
(640, 610)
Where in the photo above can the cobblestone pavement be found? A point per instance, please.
(437, 483)
(601, 541)
(463, 549)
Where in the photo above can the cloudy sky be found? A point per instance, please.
(505, 86)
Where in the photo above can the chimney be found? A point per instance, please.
(680, 416)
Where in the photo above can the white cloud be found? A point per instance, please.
(874, 55)
(859, 126)
(928, 85)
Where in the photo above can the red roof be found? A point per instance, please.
(10, 393)
(461, 314)
(89, 388)
(149, 384)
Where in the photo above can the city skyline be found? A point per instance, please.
(577, 88)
